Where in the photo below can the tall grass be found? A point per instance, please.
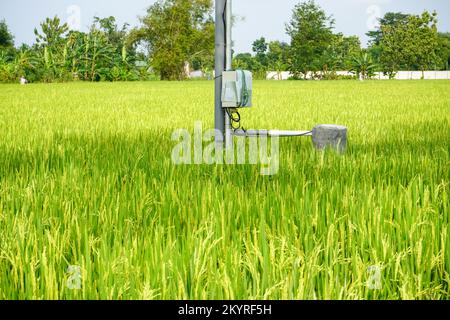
(86, 179)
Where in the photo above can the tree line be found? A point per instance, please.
(176, 36)
(401, 42)
(103, 53)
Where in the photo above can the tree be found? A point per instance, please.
(311, 34)
(204, 58)
(51, 48)
(410, 45)
(260, 47)
(98, 56)
(278, 57)
(392, 55)
(390, 19)
(6, 38)
(116, 36)
(444, 50)
(422, 41)
(244, 61)
(123, 58)
(348, 48)
(177, 31)
(52, 34)
(339, 54)
(75, 44)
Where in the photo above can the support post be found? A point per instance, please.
(219, 117)
(228, 67)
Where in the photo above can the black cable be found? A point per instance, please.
(224, 12)
(234, 120)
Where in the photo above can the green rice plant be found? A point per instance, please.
(86, 179)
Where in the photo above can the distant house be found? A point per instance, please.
(196, 74)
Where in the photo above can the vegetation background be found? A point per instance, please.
(177, 36)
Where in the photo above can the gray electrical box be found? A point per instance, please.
(237, 89)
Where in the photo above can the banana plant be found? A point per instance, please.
(98, 56)
(362, 65)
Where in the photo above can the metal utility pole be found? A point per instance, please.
(228, 62)
(219, 117)
(223, 59)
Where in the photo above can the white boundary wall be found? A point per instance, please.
(401, 75)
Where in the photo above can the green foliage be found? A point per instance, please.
(338, 55)
(272, 56)
(178, 33)
(260, 65)
(311, 34)
(6, 38)
(52, 34)
(392, 55)
(444, 50)
(278, 57)
(7, 72)
(52, 50)
(402, 41)
(362, 65)
(391, 19)
(388, 22)
(314, 48)
(407, 42)
(423, 39)
(244, 61)
(104, 53)
(179, 37)
(98, 56)
(23, 63)
(116, 37)
(260, 47)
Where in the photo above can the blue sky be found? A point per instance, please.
(257, 17)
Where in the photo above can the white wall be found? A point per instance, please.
(401, 75)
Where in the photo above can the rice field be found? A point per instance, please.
(92, 207)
